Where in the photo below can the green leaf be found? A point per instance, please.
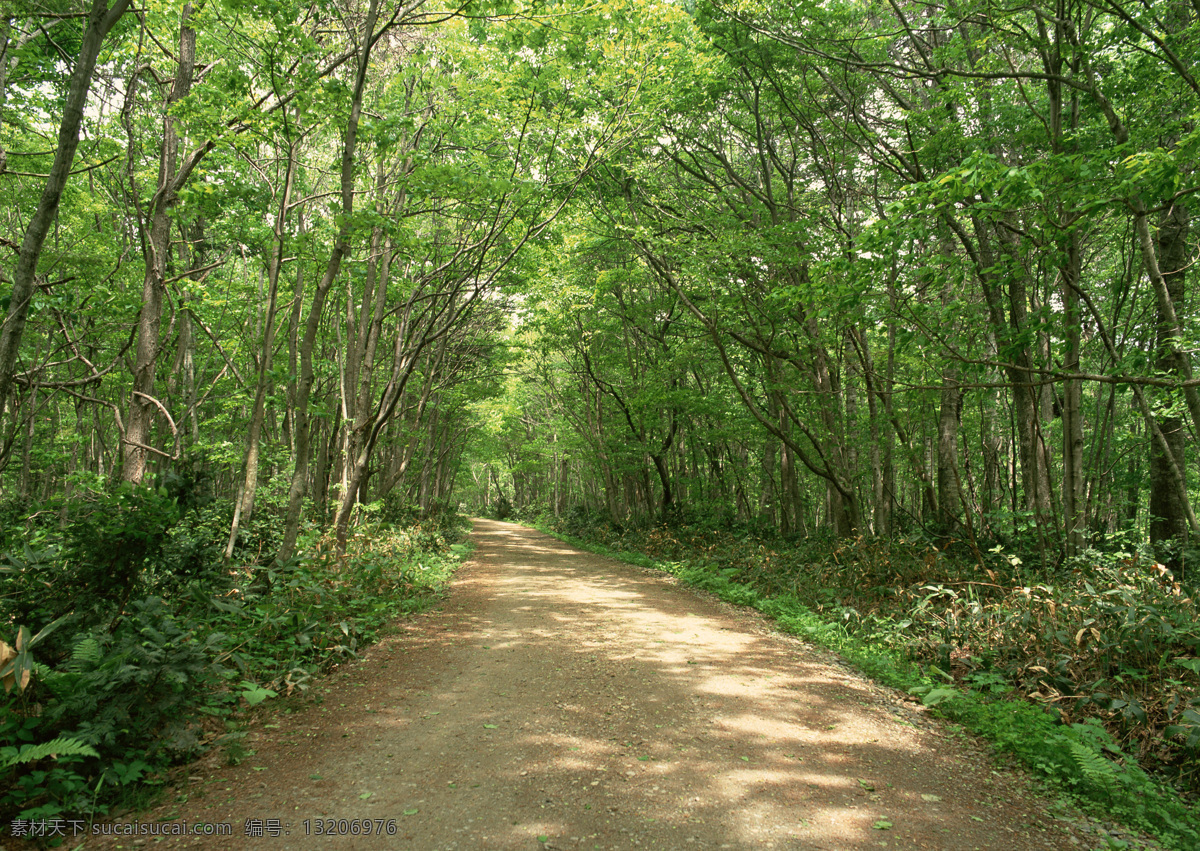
(938, 695)
(255, 694)
(60, 747)
(1192, 664)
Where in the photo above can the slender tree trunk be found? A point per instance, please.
(187, 366)
(1074, 505)
(26, 487)
(244, 507)
(1031, 455)
(1168, 493)
(404, 361)
(1133, 487)
(768, 493)
(949, 495)
(788, 504)
(1066, 111)
(879, 509)
(991, 443)
(100, 20)
(363, 362)
(326, 456)
(289, 421)
(950, 502)
(843, 503)
(142, 407)
(341, 249)
(1165, 264)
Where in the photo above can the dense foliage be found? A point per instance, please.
(878, 268)
(147, 665)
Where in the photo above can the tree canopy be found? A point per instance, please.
(857, 267)
(860, 267)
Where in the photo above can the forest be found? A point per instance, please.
(877, 306)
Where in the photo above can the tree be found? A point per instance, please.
(102, 17)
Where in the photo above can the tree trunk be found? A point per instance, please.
(949, 495)
(878, 455)
(1168, 494)
(101, 19)
(142, 406)
(404, 361)
(341, 249)
(1033, 459)
(950, 502)
(768, 494)
(244, 507)
(1074, 505)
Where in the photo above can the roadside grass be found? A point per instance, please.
(114, 690)
(1017, 666)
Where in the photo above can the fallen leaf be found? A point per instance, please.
(931, 798)
(490, 726)
(882, 824)
(411, 812)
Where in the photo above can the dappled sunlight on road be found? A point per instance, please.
(563, 700)
(633, 712)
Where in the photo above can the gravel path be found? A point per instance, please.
(562, 700)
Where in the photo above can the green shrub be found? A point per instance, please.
(111, 539)
(123, 689)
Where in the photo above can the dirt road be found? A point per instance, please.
(562, 700)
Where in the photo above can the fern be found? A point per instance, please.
(86, 653)
(62, 746)
(1095, 768)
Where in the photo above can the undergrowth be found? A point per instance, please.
(130, 646)
(1087, 673)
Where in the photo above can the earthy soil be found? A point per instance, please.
(563, 700)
